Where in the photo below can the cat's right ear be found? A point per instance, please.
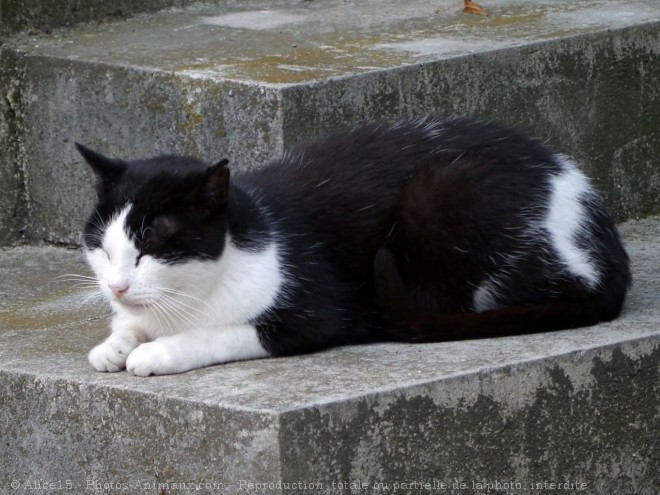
(107, 170)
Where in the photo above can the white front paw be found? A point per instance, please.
(152, 358)
(111, 355)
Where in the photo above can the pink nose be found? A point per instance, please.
(118, 288)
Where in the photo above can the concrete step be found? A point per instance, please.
(247, 79)
(578, 406)
(45, 15)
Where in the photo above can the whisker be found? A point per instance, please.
(74, 275)
(75, 282)
(183, 311)
(83, 286)
(157, 306)
(71, 277)
(184, 294)
(155, 310)
(170, 314)
(180, 304)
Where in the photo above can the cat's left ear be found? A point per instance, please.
(107, 170)
(216, 187)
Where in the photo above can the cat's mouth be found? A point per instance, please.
(132, 304)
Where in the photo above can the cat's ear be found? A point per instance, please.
(216, 187)
(107, 170)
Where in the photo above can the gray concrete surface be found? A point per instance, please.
(248, 79)
(577, 406)
(13, 204)
(45, 15)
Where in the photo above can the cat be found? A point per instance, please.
(422, 230)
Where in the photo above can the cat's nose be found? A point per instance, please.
(118, 288)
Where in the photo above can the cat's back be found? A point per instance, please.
(366, 152)
(384, 149)
(351, 181)
(347, 180)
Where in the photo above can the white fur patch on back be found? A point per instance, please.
(567, 218)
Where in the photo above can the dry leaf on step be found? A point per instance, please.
(474, 8)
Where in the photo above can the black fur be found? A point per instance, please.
(385, 232)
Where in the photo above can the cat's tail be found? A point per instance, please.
(413, 322)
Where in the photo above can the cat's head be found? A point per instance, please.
(155, 224)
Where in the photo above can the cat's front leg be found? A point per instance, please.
(194, 349)
(111, 354)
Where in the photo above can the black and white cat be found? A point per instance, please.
(424, 230)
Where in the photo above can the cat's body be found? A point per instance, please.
(424, 230)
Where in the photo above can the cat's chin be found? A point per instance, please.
(131, 307)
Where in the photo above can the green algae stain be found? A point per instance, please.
(42, 311)
(305, 63)
(191, 120)
(154, 106)
(352, 53)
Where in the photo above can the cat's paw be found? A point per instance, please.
(152, 358)
(111, 355)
